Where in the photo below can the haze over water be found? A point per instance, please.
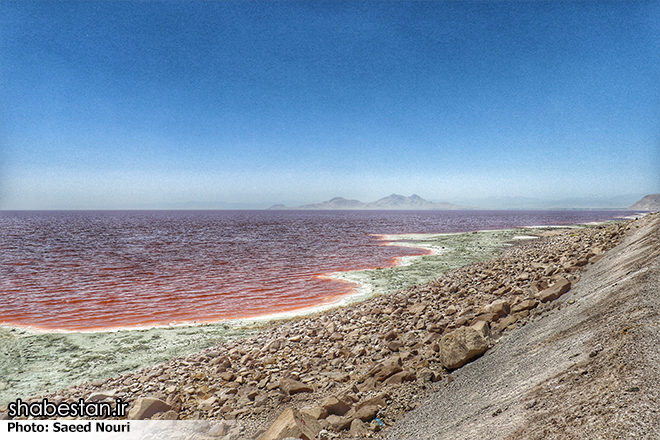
(90, 270)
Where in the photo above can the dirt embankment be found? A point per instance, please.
(590, 369)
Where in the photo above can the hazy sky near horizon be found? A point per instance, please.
(122, 104)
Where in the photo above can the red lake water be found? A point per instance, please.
(91, 270)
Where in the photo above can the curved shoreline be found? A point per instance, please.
(244, 385)
(38, 362)
(447, 251)
(41, 362)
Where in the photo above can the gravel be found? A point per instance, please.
(589, 369)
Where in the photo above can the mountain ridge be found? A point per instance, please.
(391, 202)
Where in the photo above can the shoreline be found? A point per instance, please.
(447, 251)
(72, 358)
(409, 240)
(586, 368)
(332, 353)
(40, 360)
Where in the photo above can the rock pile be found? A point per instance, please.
(352, 371)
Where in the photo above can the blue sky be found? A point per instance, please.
(111, 104)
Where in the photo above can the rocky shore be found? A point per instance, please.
(354, 371)
(588, 369)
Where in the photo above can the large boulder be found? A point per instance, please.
(400, 377)
(338, 423)
(366, 413)
(146, 407)
(293, 423)
(555, 291)
(358, 429)
(379, 400)
(317, 412)
(463, 345)
(500, 306)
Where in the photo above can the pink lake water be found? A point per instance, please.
(93, 270)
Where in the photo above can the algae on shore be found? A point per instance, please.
(449, 251)
(35, 363)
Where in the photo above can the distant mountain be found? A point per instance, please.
(413, 202)
(392, 202)
(648, 203)
(336, 203)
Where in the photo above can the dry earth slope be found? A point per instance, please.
(587, 369)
